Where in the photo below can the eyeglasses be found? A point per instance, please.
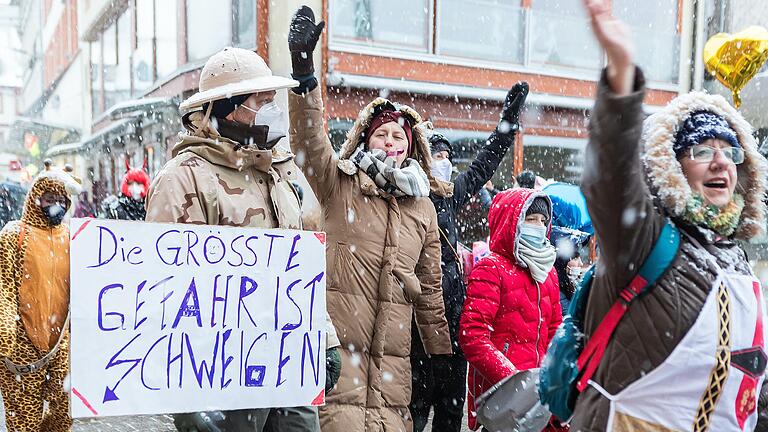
(703, 153)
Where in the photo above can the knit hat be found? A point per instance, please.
(539, 206)
(701, 126)
(438, 143)
(384, 117)
(526, 179)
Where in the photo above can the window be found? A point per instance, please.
(111, 65)
(156, 53)
(208, 27)
(166, 38)
(543, 35)
(244, 23)
(377, 22)
(557, 158)
(122, 75)
(109, 62)
(657, 41)
(560, 35)
(143, 57)
(97, 88)
(502, 24)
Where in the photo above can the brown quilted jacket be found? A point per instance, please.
(383, 259)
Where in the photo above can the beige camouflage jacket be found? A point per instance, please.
(209, 183)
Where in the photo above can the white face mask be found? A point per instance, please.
(533, 234)
(135, 190)
(442, 169)
(271, 115)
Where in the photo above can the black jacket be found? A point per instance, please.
(123, 208)
(465, 186)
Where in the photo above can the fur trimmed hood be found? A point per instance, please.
(356, 135)
(664, 173)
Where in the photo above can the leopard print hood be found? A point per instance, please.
(53, 180)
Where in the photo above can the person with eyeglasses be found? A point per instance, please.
(689, 353)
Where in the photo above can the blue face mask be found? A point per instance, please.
(533, 234)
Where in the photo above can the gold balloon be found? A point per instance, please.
(735, 59)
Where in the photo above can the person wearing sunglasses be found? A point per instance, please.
(689, 353)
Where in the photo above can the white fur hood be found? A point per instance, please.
(665, 175)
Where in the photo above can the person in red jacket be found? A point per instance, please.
(512, 307)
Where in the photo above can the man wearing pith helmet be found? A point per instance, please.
(227, 169)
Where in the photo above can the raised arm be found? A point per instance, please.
(613, 183)
(469, 183)
(309, 140)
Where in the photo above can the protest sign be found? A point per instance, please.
(182, 318)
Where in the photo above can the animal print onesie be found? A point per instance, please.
(34, 302)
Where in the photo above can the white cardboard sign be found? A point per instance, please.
(170, 318)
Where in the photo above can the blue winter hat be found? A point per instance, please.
(701, 126)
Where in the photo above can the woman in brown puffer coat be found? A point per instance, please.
(383, 248)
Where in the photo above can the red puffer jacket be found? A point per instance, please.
(508, 319)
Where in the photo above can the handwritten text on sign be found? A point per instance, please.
(181, 318)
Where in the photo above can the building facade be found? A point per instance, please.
(114, 71)
(49, 103)
(454, 60)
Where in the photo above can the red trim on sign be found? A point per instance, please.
(85, 402)
(320, 399)
(320, 236)
(82, 227)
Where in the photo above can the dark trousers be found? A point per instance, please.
(297, 419)
(439, 382)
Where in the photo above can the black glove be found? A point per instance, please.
(302, 39)
(332, 368)
(513, 105)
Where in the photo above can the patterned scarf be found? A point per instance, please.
(408, 180)
(723, 221)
